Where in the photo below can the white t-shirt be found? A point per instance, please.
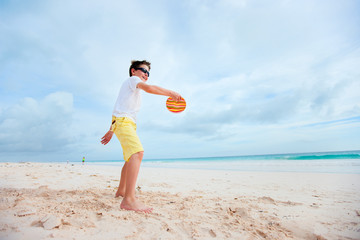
(129, 100)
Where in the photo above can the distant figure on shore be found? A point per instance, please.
(83, 160)
(124, 126)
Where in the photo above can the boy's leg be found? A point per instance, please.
(122, 184)
(132, 170)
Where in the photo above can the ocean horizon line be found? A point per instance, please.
(319, 162)
(304, 155)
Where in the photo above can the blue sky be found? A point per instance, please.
(259, 77)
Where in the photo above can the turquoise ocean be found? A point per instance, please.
(322, 162)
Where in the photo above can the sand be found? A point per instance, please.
(65, 201)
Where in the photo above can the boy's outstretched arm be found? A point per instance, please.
(153, 89)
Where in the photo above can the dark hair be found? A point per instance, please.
(136, 64)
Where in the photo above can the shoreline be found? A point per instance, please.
(188, 203)
(343, 166)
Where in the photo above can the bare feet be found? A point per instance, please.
(134, 205)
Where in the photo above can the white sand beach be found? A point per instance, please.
(65, 201)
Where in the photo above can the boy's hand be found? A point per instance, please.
(176, 96)
(107, 137)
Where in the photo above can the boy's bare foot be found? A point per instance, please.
(134, 205)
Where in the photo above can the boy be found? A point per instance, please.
(124, 126)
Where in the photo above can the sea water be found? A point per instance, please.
(324, 162)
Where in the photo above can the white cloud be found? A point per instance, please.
(37, 126)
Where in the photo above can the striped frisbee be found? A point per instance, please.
(175, 107)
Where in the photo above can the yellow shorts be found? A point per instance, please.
(125, 130)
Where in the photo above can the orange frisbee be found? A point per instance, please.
(175, 107)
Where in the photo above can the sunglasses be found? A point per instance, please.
(144, 71)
